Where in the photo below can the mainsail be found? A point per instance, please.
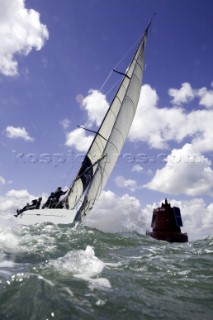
(109, 140)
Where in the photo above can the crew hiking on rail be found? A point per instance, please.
(35, 205)
(53, 201)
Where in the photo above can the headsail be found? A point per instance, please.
(109, 140)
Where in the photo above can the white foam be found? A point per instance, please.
(8, 239)
(99, 283)
(6, 264)
(83, 264)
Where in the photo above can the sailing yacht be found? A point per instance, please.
(103, 152)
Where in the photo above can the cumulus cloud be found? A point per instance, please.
(116, 214)
(137, 168)
(206, 97)
(14, 133)
(78, 139)
(182, 95)
(186, 172)
(158, 126)
(152, 125)
(20, 32)
(121, 182)
(65, 123)
(96, 106)
(2, 180)
(14, 199)
(186, 94)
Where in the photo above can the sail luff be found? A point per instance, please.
(124, 103)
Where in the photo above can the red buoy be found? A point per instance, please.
(166, 223)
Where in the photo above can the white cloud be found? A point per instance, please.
(206, 97)
(201, 122)
(65, 123)
(137, 168)
(197, 218)
(121, 182)
(158, 126)
(79, 98)
(182, 95)
(18, 194)
(152, 125)
(186, 172)
(20, 32)
(2, 180)
(116, 214)
(96, 106)
(13, 200)
(78, 139)
(186, 94)
(14, 133)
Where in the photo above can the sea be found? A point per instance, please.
(65, 272)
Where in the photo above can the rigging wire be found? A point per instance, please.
(124, 56)
(117, 64)
(111, 72)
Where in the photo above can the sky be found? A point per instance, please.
(55, 61)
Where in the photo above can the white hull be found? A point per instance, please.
(55, 216)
